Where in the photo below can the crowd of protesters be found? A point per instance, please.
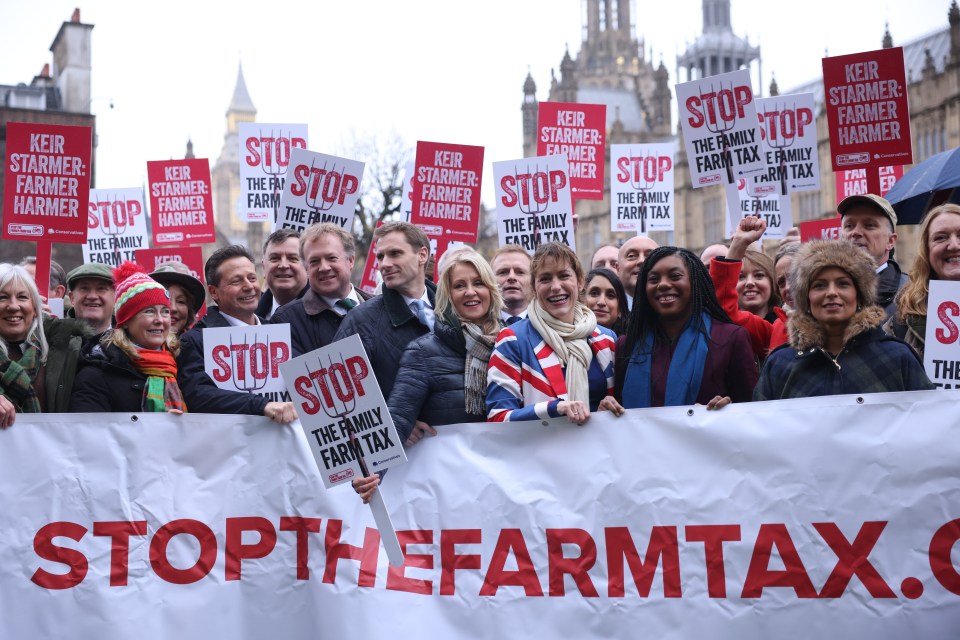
(517, 338)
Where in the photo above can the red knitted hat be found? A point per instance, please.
(136, 291)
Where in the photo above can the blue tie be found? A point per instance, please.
(513, 319)
(422, 314)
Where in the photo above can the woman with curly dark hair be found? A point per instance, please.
(681, 347)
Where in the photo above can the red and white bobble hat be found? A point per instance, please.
(136, 291)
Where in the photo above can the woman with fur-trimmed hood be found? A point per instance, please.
(835, 344)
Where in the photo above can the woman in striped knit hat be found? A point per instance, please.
(133, 368)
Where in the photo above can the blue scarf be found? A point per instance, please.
(683, 378)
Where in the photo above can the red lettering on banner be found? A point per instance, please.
(713, 536)
(941, 564)
(853, 560)
(396, 580)
(329, 186)
(450, 560)
(236, 551)
(577, 566)
(947, 334)
(337, 550)
(663, 543)
(43, 546)
(511, 541)
(345, 379)
(275, 150)
(158, 551)
(759, 574)
(302, 526)
(120, 533)
(726, 105)
(117, 214)
(260, 359)
(643, 168)
(541, 187)
(787, 124)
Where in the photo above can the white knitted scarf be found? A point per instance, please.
(569, 342)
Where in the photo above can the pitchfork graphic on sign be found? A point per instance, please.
(721, 126)
(533, 208)
(270, 165)
(781, 139)
(249, 384)
(114, 226)
(314, 196)
(641, 183)
(341, 404)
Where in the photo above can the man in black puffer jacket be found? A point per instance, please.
(387, 323)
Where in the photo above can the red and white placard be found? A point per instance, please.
(534, 203)
(116, 226)
(641, 187)
(181, 204)
(46, 182)
(264, 157)
(319, 188)
(446, 190)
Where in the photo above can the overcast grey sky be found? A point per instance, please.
(440, 70)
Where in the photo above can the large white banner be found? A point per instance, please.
(830, 518)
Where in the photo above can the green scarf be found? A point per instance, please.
(16, 379)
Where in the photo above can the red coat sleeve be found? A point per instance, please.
(725, 275)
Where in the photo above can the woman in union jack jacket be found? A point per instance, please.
(558, 361)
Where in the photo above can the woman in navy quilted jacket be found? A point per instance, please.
(443, 375)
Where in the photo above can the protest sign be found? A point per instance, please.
(534, 204)
(406, 200)
(248, 359)
(841, 522)
(342, 412)
(46, 183)
(941, 352)
(446, 190)
(853, 182)
(371, 268)
(579, 132)
(788, 135)
(265, 155)
(319, 188)
(116, 226)
(181, 204)
(721, 133)
(755, 200)
(867, 113)
(828, 229)
(641, 187)
(191, 257)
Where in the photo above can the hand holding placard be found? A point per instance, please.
(346, 422)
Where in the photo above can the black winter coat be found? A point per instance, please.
(200, 393)
(430, 383)
(107, 382)
(386, 326)
(889, 282)
(265, 306)
(312, 322)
